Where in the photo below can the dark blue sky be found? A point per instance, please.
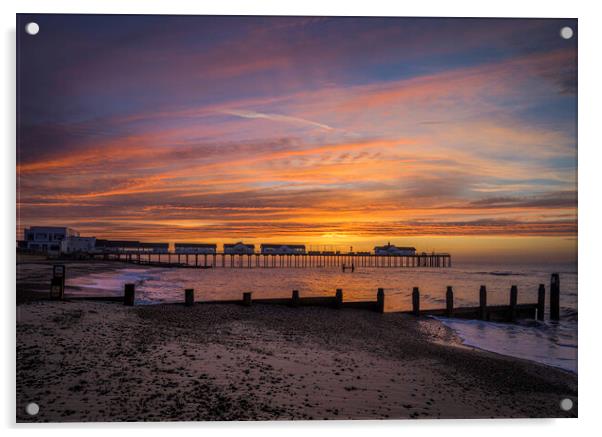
(121, 116)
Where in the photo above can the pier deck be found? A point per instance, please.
(259, 260)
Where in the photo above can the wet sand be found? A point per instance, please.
(34, 273)
(98, 361)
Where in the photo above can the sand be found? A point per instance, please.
(99, 361)
(34, 273)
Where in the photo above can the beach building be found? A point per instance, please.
(239, 248)
(154, 247)
(116, 246)
(282, 249)
(391, 249)
(46, 238)
(196, 248)
(75, 244)
(125, 246)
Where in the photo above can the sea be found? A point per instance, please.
(547, 342)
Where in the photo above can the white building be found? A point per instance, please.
(196, 248)
(282, 249)
(46, 238)
(390, 249)
(78, 245)
(239, 248)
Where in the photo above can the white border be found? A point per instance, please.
(590, 291)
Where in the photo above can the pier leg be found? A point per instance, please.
(513, 301)
(380, 300)
(246, 298)
(449, 302)
(129, 294)
(541, 302)
(295, 299)
(555, 297)
(189, 297)
(483, 302)
(416, 301)
(339, 298)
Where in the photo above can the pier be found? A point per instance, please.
(262, 260)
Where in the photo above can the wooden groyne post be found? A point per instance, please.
(129, 294)
(246, 298)
(416, 301)
(513, 302)
(339, 298)
(380, 300)
(483, 302)
(189, 297)
(295, 299)
(449, 302)
(57, 283)
(541, 302)
(555, 297)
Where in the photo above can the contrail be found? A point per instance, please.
(275, 117)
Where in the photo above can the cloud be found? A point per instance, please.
(240, 134)
(274, 117)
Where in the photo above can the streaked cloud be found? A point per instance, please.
(337, 130)
(275, 117)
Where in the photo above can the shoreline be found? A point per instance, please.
(98, 361)
(33, 278)
(471, 342)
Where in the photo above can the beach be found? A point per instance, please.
(100, 361)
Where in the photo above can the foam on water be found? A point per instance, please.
(554, 344)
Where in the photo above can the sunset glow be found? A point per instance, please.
(459, 136)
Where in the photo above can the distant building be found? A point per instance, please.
(390, 249)
(73, 244)
(127, 246)
(239, 248)
(282, 249)
(46, 238)
(154, 247)
(196, 248)
(116, 246)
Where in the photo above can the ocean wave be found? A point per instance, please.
(497, 273)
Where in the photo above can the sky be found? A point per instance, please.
(450, 135)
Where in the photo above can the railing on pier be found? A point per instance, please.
(262, 260)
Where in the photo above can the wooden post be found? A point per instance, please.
(416, 301)
(57, 284)
(246, 298)
(295, 299)
(380, 300)
(129, 294)
(513, 300)
(339, 298)
(56, 287)
(541, 302)
(555, 297)
(449, 301)
(189, 297)
(483, 302)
